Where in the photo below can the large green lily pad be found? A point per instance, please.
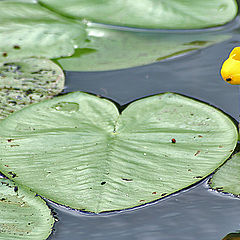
(29, 30)
(109, 49)
(227, 178)
(28, 81)
(22, 214)
(174, 14)
(77, 150)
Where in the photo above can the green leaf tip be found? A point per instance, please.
(227, 178)
(22, 214)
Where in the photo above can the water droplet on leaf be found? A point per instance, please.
(66, 107)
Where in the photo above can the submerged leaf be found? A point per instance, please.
(109, 49)
(22, 214)
(227, 178)
(174, 14)
(28, 81)
(77, 150)
(29, 30)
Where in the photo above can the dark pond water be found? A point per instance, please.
(197, 213)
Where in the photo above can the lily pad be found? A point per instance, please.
(29, 30)
(174, 14)
(109, 49)
(77, 150)
(22, 214)
(227, 178)
(28, 81)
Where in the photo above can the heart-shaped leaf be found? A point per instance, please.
(109, 49)
(29, 30)
(227, 178)
(149, 14)
(77, 150)
(22, 214)
(28, 81)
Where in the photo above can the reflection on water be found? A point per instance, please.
(196, 214)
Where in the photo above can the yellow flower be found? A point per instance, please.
(231, 67)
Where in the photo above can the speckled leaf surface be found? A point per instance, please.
(22, 214)
(28, 81)
(109, 49)
(174, 14)
(29, 30)
(227, 178)
(77, 150)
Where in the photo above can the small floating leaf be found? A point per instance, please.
(37, 32)
(227, 178)
(22, 214)
(232, 236)
(77, 150)
(109, 49)
(174, 14)
(28, 81)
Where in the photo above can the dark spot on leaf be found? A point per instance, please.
(200, 136)
(3, 199)
(13, 102)
(173, 140)
(15, 189)
(4, 183)
(15, 145)
(197, 153)
(6, 165)
(16, 47)
(142, 200)
(12, 174)
(198, 177)
(4, 54)
(189, 170)
(102, 183)
(163, 194)
(127, 179)
(197, 43)
(28, 92)
(220, 146)
(10, 140)
(154, 192)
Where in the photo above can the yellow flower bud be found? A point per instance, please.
(231, 67)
